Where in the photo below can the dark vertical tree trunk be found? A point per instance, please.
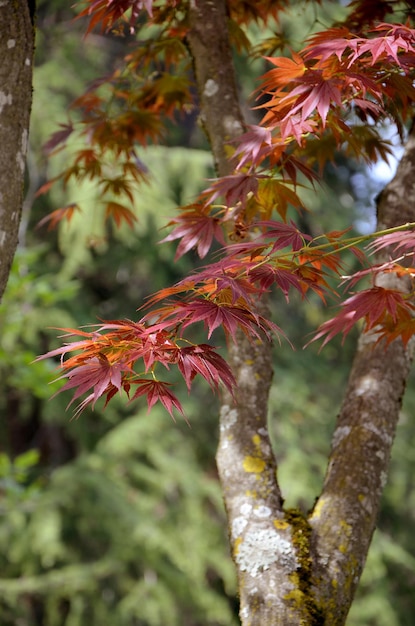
(295, 570)
(16, 53)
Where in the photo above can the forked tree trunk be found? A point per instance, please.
(295, 570)
(16, 53)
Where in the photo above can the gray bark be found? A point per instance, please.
(344, 517)
(260, 536)
(16, 53)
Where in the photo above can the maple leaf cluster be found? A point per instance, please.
(106, 13)
(334, 93)
(335, 84)
(222, 295)
(105, 365)
(127, 108)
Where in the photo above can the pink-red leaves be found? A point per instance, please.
(376, 306)
(401, 241)
(284, 235)
(107, 12)
(268, 276)
(103, 363)
(235, 188)
(157, 391)
(336, 73)
(205, 361)
(215, 315)
(317, 93)
(392, 40)
(97, 374)
(54, 218)
(253, 146)
(59, 137)
(195, 228)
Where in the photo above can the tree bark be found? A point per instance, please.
(16, 51)
(295, 570)
(344, 517)
(260, 536)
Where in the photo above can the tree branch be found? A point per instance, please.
(344, 517)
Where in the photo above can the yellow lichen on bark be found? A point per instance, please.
(256, 440)
(236, 545)
(280, 524)
(253, 464)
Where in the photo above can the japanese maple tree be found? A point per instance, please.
(331, 95)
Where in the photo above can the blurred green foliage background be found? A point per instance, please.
(117, 518)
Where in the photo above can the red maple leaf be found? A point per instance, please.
(375, 306)
(267, 275)
(331, 42)
(317, 92)
(393, 39)
(105, 363)
(402, 241)
(96, 373)
(59, 137)
(202, 359)
(195, 228)
(254, 145)
(120, 213)
(230, 317)
(53, 219)
(295, 126)
(157, 391)
(284, 235)
(235, 188)
(213, 314)
(227, 276)
(107, 12)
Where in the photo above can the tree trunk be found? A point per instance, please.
(260, 535)
(295, 570)
(16, 50)
(344, 517)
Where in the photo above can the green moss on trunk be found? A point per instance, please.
(302, 596)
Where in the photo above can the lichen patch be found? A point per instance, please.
(339, 434)
(238, 526)
(5, 99)
(262, 512)
(260, 548)
(211, 88)
(228, 417)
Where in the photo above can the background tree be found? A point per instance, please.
(16, 28)
(307, 599)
